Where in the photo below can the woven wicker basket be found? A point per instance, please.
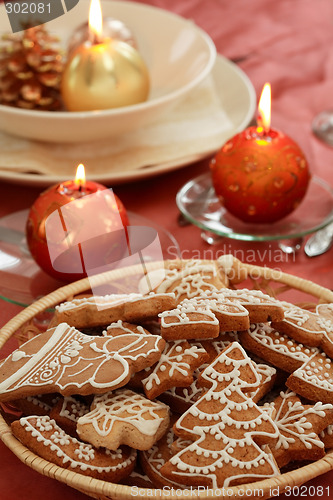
(270, 281)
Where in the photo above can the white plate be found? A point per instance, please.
(238, 100)
(178, 54)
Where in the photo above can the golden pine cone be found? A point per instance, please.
(31, 70)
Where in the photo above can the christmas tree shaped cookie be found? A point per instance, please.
(227, 428)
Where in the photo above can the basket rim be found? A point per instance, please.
(115, 491)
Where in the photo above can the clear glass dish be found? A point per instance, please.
(199, 204)
(22, 281)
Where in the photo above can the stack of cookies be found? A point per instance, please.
(196, 383)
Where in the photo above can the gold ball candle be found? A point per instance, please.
(260, 175)
(103, 73)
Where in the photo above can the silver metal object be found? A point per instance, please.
(320, 242)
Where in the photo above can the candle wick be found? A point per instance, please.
(80, 187)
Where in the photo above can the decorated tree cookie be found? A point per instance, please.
(227, 428)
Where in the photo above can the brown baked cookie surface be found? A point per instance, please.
(124, 417)
(67, 361)
(44, 437)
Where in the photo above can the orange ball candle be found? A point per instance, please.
(260, 175)
(69, 267)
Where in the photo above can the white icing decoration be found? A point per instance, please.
(111, 407)
(172, 361)
(119, 325)
(294, 424)
(315, 323)
(102, 302)
(182, 316)
(266, 336)
(225, 386)
(58, 362)
(72, 409)
(308, 374)
(17, 355)
(227, 262)
(83, 453)
(193, 278)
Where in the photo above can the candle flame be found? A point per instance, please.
(95, 18)
(80, 176)
(264, 109)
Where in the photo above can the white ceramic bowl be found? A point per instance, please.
(178, 54)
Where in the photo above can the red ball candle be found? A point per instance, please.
(260, 175)
(69, 267)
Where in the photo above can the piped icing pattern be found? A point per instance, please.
(40, 404)
(181, 398)
(311, 328)
(43, 436)
(97, 301)
(186, 279)
(120, 328)
(260, 306)
(188, 321)
(226, 450)
(67, 361)
(175, 367)
(276, 348)
(66, 413)
(101, 310)
(154, 459)
(299, 426)
(314, 379)
(124, 417)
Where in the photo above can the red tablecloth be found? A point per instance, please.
(288, 43)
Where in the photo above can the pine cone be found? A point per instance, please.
(30, 70)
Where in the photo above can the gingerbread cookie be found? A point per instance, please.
(314, 379)
(98, 311)
(175, 368)
(299, 426)
(122, 328)
(327, 436)
(66, 413)
(91, 311)
(310, 328)
(311, 370)
(45, 438)
(145, 307)
(155, 458)
(228, 430)
(124, 418)
(186, 279)
(189, 322)
(181, 398)
(41, 404)
(276, 348)
(67, 361)
(259, 306)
